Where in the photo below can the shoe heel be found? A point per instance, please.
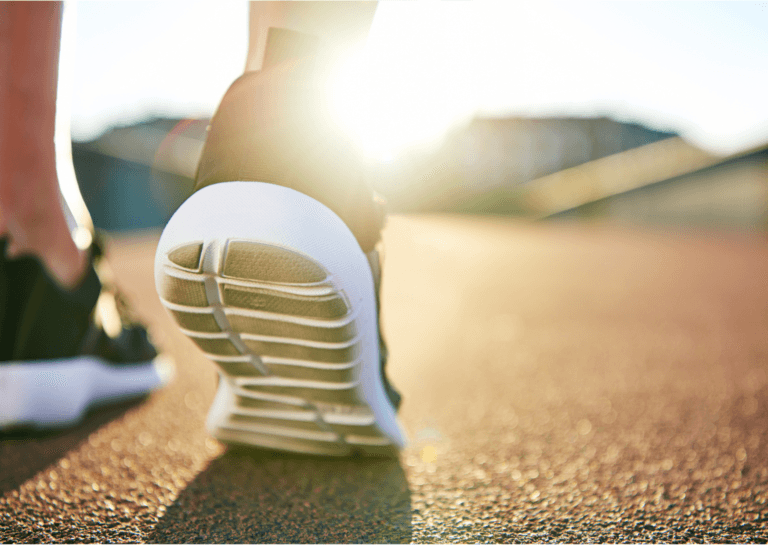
(274, 288)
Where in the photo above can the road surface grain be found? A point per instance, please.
(562, 383)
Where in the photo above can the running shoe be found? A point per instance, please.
(271, 268)
(65, 352)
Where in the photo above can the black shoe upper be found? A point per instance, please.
(41, 321)
(274, 126)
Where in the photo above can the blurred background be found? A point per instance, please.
(643, 113)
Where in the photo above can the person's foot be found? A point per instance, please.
(65, 352)
(270, 268)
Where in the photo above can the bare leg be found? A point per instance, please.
(338, 25)
(31, 213)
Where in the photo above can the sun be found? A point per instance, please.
(388, 114)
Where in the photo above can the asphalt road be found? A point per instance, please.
(562, 383)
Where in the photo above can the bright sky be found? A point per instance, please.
(698, 68)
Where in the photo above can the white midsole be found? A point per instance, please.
(58, 392)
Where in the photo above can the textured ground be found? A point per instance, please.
(562, 383)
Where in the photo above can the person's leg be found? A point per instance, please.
(274, 125)
(31, 214)
(339, 26)
(56, 355)
(270, 267)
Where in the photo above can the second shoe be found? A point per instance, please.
(276, 290)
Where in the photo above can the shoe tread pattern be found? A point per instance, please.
(254, 261)
(289, 350)
(187, 256)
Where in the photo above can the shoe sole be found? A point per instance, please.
(274, 289)
(57, 393)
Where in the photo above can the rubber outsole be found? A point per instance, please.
(274, 289)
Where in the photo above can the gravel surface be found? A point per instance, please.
(562, 383)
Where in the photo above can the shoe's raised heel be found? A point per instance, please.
(275, 289)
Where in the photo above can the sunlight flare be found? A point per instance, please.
(388, 116)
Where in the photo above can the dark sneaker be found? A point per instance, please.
(270, 267)
(56, 359)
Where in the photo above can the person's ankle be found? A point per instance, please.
(284, 45)
(68, 266)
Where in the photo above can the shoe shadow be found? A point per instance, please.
(253, 496)
(25, 451)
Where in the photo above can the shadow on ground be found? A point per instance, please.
(264, 497)
(25, 452)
